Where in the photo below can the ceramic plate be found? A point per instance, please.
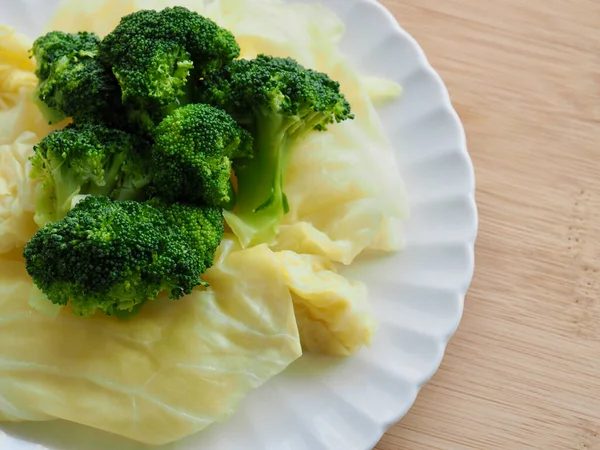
(418, 294)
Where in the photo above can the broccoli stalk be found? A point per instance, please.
(60, 184)
(135, 175)
(279, 102)
(261, 202)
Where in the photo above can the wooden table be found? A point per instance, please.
(523, 370)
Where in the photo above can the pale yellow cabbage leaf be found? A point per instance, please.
(101, 17)
(21, 127)
(380, 90)
(167, 373)
(334, 315)
(343, 186)
(17, 81)
(17, 199)
(305, 32)
(16, 69)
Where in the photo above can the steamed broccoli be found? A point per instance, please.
(51, 47)
(200, 227)
(114, 256)
(158, 58)
(86, 159)
(280, 102)
(72, 81)
(192, 154)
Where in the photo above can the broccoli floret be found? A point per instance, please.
(112, 257)
(192, 154)
(51, 47)
(280, 102)
(86, 159)
(201, 227)
(158, 58)
(73, 82)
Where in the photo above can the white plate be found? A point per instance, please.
(418, 294)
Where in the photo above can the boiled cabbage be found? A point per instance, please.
(16, 69)
(21, 127)
(334, 315)
(380, 90)
(17, 200)
(343, 186)
(167, 373)
(17, 81)
(101, 17)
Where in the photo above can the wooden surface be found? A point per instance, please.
(523, 371)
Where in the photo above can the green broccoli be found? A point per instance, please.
(191, 157)
(86, 159)
(158, 58)
(201, 228)
(73, 82)
(51, 47)
(114, 256)
(280, 102)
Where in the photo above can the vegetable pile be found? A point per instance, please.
(167, 129)
(133, 182)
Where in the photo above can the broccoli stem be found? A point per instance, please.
(54, 199)
(111, 177)
(261, 202)
(66, 188)
(61, 188)
(131, 188)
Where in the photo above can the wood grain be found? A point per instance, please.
(523, 371)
